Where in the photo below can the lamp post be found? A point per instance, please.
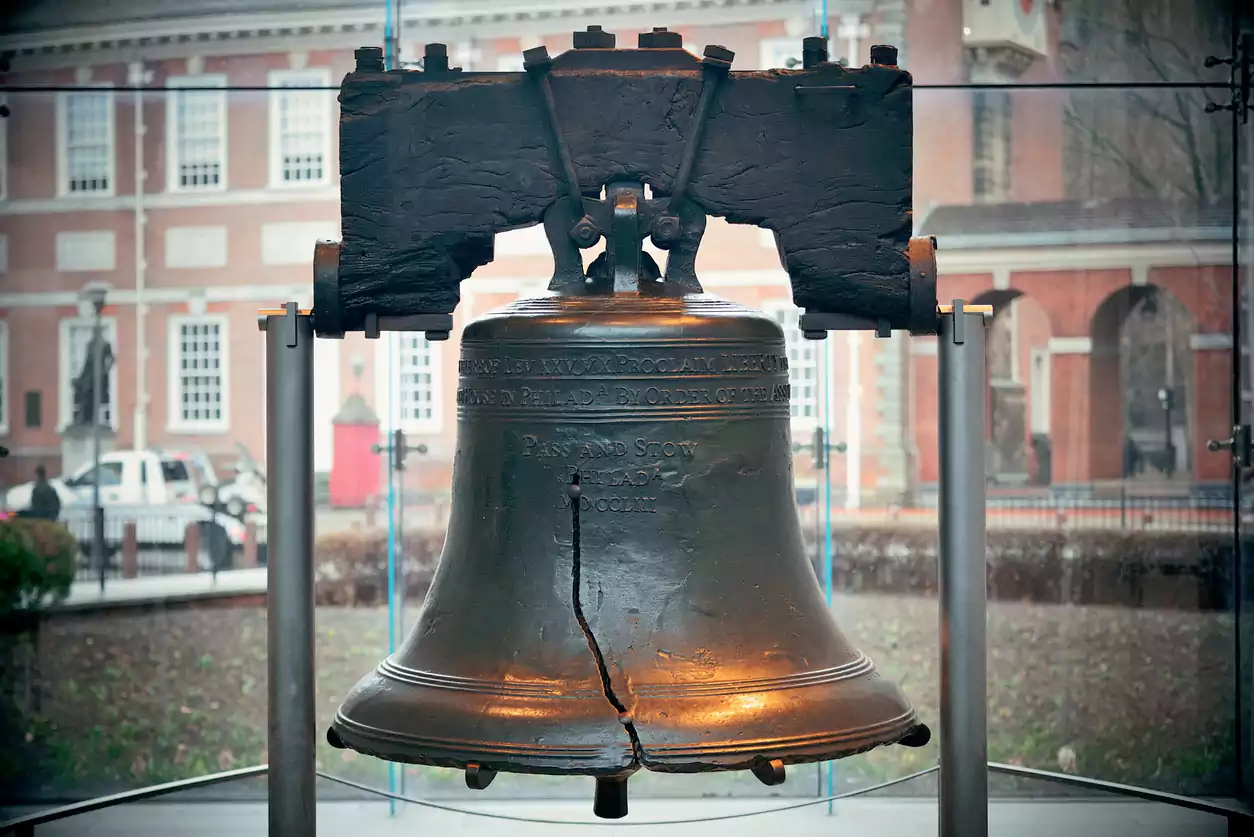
(95, 294)
(1167, 399)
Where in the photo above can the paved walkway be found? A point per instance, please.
(157, 588)
(852, 818)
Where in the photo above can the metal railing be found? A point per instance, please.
(1240, 819)
(165, 540)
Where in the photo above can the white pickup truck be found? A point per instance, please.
(130, 477)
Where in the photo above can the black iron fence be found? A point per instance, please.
(151, 540)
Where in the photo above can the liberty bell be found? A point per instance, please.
(624, 582)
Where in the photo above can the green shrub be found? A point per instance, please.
(37, 563)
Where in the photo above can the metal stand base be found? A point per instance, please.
(963, 700)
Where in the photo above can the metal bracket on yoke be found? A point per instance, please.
(290, 313)
(436, 326)
(815, 326)
(958, 308)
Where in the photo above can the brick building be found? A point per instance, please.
(198, 197)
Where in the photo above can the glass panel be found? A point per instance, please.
(1097, 222)
(1108, 265)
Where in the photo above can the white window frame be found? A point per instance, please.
(277, 78)
(5, 409)
(173, 146)
(63, 162)
(175, 423)
(65, 383)
(770, 51)
(387, 378)
(795, 342)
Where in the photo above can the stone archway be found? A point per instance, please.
(1141, 387)
(1019, 389)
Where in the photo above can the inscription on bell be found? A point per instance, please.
(535, 446)
(622, 364)
(622, 505)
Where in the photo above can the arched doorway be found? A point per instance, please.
(1018, 449)
(1141, 392)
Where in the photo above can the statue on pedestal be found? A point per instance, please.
(83, 381)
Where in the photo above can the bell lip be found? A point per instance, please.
(389, 746)
(657, 758)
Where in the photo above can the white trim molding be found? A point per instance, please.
(1210, 342)
(252, 33)
(63, 135)
(1092, 257)
(215, 100)
(172, 200)
(86, 251)
(1070, 345)
(175, 421)
(162, 295)
(319, 114)
(195, 247)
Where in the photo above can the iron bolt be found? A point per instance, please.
(666, 229)
(660, 38)
(585, 233)
(718, 57)
(594, 38)
(435, 58)
(884, 55)
(369, 59)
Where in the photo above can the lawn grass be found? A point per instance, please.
(1138, 695)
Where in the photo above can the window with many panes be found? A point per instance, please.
(196, 133)
(76, 335)
(300, 128)
(416, 381)
(85, 142)
(803, 365)
(198, 385)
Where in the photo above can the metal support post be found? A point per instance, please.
(963, 702)
(289, 570)
(97, 373)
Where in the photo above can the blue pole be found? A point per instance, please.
(827, 503)
(391, 531)
(823, 18)
(387, 39)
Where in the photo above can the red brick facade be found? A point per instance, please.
(735, 262)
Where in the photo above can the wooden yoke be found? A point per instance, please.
(435, 163)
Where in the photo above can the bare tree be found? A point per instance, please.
(1145, 143)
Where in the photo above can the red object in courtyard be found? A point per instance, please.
(355, 469)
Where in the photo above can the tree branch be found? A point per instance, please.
(1112, 150)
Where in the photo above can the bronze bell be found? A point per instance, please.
(623, 582)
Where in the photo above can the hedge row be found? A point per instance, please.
(1129, 568)
(1189, 571)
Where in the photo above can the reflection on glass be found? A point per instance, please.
(1096, 222)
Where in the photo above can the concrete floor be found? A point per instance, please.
(852, 818)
